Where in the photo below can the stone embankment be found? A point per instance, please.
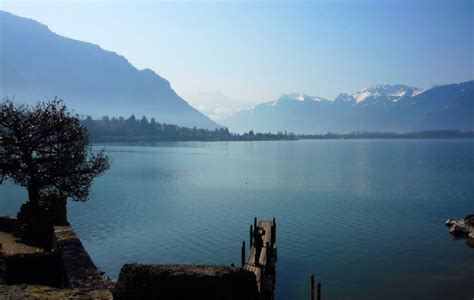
(64, 272)
(212, 282)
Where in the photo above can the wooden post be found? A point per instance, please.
(271, 235)
(312, 287)
(318, 292)
(267, 246)
(255, 223)
(243, 253)
(251, 236)
(274, 228)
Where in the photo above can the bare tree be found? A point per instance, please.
(46, 149)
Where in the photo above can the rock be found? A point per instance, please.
(137, 281)
(461, 228)
(469, 220)
(458, 230)
(449, 222)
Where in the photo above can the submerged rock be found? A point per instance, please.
(462, 228)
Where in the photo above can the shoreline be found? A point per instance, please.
(145, 142)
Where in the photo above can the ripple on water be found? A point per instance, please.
(366, 217)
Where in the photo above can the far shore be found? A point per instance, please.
(422, 135)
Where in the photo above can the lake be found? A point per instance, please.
(365, 216)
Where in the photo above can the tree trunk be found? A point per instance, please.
(33, 194)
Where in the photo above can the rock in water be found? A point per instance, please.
(462, 228)
(469, 220)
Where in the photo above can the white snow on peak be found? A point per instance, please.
(387, 91)
(364, 94)
(417, 92)
(300, 97)
(399, 93)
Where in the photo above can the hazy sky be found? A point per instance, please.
(253, 52)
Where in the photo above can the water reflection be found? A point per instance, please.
(365, 216)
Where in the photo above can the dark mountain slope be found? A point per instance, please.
(39, 64)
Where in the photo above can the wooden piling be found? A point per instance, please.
(273, 233)
(267, 248)
(318, 292)
(312, 287)
(255, 223)
(243, 253)
(251, 236)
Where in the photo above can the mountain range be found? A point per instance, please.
(390, 108)
(37, 64)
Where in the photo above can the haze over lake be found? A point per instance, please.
(365, 216)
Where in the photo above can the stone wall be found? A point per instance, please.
(7, 224)
(35, 223)
(137, 281)
(56, 208)
(35, 268)
(79, 268)
(67, 272)
(34, 226)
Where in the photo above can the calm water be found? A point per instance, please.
(366, 217)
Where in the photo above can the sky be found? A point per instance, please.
(222, 56)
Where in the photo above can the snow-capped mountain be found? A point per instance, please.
(289, 98)
(385, 93)
(344, 98)
(396, 108)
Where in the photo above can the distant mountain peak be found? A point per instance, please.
(343, 97)
(300, 97)
(390, 92)
(384, 107)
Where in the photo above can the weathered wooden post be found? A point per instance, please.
(312, 287)
(255, 223)
(273, 236)
(318, 291)
(251, 236)
(243, 253)
(268, 250)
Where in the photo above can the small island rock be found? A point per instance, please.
(462, 227)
